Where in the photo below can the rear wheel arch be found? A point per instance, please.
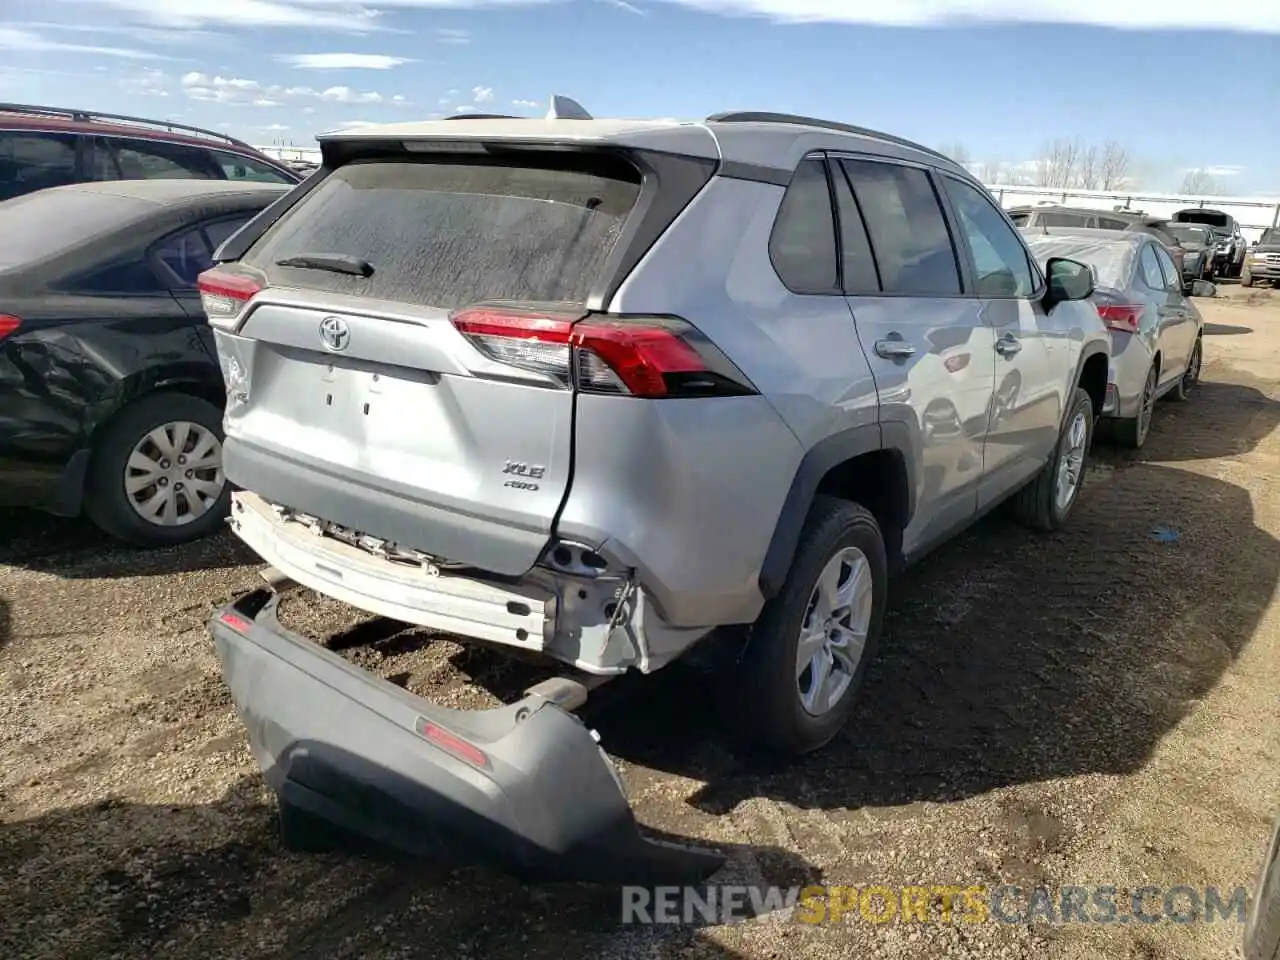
(870, 465)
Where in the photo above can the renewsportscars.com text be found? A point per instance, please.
(937, 903)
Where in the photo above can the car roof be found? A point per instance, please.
(52, 120)
(762, 139)
(1129, 237)
(160, 192)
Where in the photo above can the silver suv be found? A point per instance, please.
(598, 390)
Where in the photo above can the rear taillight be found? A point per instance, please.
(8, 324)
(452, 743)
(1123, 317)
(628, 356)
(224, 295)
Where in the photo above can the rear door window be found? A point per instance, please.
(450, 233)
(35, 161)
(1172, 279)
(186, 255)
(908, 231)
(1149, 268)
(236, 167)
(219, 230)
(157, 160)
(1106, 223)
(803, 243)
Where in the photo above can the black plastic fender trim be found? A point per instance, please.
(814, 465)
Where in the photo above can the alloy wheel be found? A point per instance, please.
(833, 636)
(1071, 461)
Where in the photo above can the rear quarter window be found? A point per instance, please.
(450, 233)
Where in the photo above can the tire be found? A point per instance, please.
(1132, 431)
(108, 503)
(1246, 277)
(761, 691)
(1037, 504)
(1262, 929)
(1191, 377)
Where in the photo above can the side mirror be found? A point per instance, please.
(1068, 280)
(1202, 288)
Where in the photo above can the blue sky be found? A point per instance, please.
(1181, 83)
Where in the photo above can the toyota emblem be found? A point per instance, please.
(334, 333)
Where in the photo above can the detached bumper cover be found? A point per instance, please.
(524, 787)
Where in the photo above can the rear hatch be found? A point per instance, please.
(363, 337)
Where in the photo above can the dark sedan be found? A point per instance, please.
(110, 393)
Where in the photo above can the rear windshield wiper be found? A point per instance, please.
(333, 262)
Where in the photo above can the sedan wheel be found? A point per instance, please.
(174, 474)
(156, 475)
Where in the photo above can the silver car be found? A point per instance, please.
(607, 392)
(1156, 330)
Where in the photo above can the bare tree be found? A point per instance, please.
(1087, 174)
(1199, 182)
(1114, 169)
(990, 171)
(957, 152)
(1057, 163)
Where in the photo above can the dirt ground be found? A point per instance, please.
(1095, 707)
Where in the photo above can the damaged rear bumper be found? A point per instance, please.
(525, 787)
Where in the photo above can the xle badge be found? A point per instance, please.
(522, 475)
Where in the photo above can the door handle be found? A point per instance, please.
(895, 349)
(1008, 346)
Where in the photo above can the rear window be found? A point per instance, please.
(42, 224)
(1111, 260)
(447, 233)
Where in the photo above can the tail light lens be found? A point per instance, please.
(629, 356)
(8, 324)
(1123, 317)
(224, 296)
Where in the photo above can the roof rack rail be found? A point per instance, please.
(90, 116)
(480, 116)
(753, 116)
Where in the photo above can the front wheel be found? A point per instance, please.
(1047, 501)
(156, 476)
(792, 686)
(1246, 277)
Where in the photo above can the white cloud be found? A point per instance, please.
(191, 14)
(240, 91)
(1136, 14)
(1219, 170)
(157, 36)
(464, 108)
(630, 8)
(364, 16)
(454, 37)
(148, 83)
(482, 94)
(25, 41)
(343, 61)
(524, 103)
(347, 95)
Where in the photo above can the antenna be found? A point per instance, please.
(565, 108)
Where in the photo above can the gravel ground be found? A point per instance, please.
(1095, 707)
